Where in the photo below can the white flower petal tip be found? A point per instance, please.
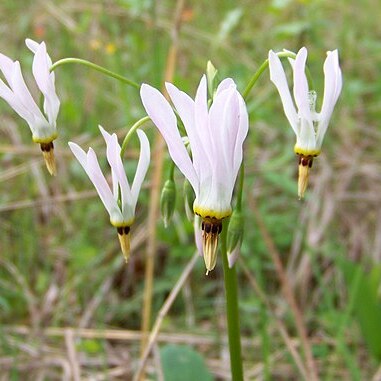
(16, 93)
(309, 125)
(48, 154)
(124, 237)
(232, 257)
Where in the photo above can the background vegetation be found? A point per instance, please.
(60, 262)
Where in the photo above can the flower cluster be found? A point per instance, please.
(209, 157)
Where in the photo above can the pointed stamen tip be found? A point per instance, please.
(207, 272)
(48, 154)
(211, 228)
(124, 241)
(305, 163)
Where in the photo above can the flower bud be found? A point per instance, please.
(168, 201)
(234, 236)
(189, 198)
(211, 73)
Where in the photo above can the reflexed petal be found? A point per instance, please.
(141, 170)
(243, 129)
(96, 176)
(79, 153)
(161, 113)
(278, 77)
(201, 123)
(115, 184)
(6, 66)
(225, 84)
(224, 123)
(332, 89)
(32, 45)
(301, 85)
(198, 234)
(45, 82)
(21, 91)
(186, 109)
(7, 94)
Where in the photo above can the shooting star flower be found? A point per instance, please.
(122, 212)
(15, 92)
(216, 137)
(309, 126)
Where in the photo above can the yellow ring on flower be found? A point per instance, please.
(122, 224)
(207, 213)
(305, 152)
(45, 140)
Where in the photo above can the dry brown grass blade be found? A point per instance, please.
(153, 213)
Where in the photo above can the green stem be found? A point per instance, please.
(232, 313)
(241, 181)
(131, 131)
(265, 65)
(91, 65)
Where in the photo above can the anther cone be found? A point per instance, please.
(48, 154)
(125, 241)
(211, 228)
(305, 163)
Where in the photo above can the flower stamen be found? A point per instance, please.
(211, 228)
(124, 240)
(305, 163)
(48, 154)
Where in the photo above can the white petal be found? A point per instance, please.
(225, 84)
(233, 256)
(79, 153)
(301, 85)
(21, 91)
(141, 170)
(186, 109)
(32, 45)
(332, 89)
(115, 184)
(201, 124)
(45, 82)
(198, 234)
(278, 77)
(102, 187)
(224, 123)
(6, 66)
(243, 129)
(162, 115)
(7, 94)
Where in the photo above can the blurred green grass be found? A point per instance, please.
(56, 257)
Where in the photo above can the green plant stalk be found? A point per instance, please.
(232, 313)
(130, 132)
(91, 65)
(265, 65)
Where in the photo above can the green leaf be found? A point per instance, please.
(366, 303)
(181, 362)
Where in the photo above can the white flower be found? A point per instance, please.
(121, 214)
(309, 126)
(15, 92)
(216, 136)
